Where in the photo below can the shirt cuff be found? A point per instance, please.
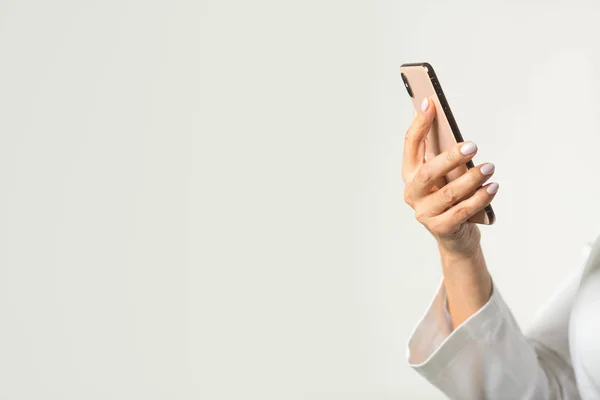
(433, 344)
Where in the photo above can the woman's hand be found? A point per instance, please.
(444, 209)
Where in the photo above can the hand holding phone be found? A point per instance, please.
(446, 207)
(438, 163)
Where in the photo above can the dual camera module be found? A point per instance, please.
(406, 85)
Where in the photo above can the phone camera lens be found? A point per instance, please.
(406, 84)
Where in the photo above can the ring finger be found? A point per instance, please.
(453, 192)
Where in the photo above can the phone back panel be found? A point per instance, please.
(444, 133)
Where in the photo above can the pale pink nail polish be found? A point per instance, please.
(468, 148)
(487, 168)
(493, 188)
(425, 104)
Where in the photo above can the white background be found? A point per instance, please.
(202, 199)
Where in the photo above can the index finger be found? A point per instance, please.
(416, 133)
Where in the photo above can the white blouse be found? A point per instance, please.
(488, 357)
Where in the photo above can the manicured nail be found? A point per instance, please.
(425, 104)
(468, 148)
(493, 188)
(487, 168)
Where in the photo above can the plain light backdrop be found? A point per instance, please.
(202, 199)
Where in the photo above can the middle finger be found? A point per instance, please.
(434, 169)
(460, 188)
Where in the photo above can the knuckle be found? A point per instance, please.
(434, 227)
(462, 213)
(416, 130)
(404, 173)
(411, 135)
(452, 156)
(473, 179)
(424, 175)
(408, 197)
(420, 215)
(448, 195)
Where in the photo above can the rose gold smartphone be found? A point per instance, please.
(420, 81)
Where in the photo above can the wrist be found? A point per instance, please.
(462, 244)
(465, 268)
(459, 250)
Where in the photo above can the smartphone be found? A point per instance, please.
(421, 81)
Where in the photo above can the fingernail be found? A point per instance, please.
(487, 168)
(468, 148)
(493, 188)
(425, 104)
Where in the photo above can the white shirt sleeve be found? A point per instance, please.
(488, 357)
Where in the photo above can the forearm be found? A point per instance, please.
(467, 282)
